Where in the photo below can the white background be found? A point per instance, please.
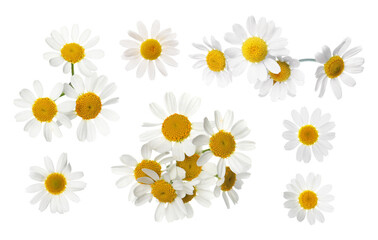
(104, 211)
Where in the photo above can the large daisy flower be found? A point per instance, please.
(42, 111)
(337, 66)
(146, 51)
(89, 104)
(176, 131)
(257, 49)
(228, 183)
(214, 61)
(73, 50)
(284, 83)
(55, 185)
(305, 198)
(223, 143)
(167, 191)
(312, 134)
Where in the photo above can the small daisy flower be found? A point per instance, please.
(312, 134)
(176, 130)
(89, 104)
(284, 83)
(74, 49)
(167, 191)
(223, 143)
(55, 185)
(305, 198)
(336, 66)
(146, 51)
(42, 111)
(257, 49)
(227, 184)
(215, 62)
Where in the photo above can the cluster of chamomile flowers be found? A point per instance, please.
(181, 170)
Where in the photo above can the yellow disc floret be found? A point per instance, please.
(308, 199)
(283, 75)
(72, 52)
(192, 170)
(254, 49)
(216, 61)
(163, 191)
(308, 135)
(188, 197)
(149, 164)
(229, 180)
(150, 49)
(55, 183)
(88, 105)
(334, 67)
(44, 109)
(176, 127)
(222, 144)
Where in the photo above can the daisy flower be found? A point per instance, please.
(146, 51)
(175, 132)
(223, 143)
(312, 134)
(336, 66)
(284, 83)
(89, 104)
(214, 62)
(305, 198)
(73, 50)
(256, 49)
(42, 111)
(55, 185)
(167, 191)
(228, 183)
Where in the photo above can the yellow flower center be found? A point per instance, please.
(308, 199)
(308, 135)
(188, 197)
(176, 127)
(254, 49)
(44, 109)
(192, 170)
(149, 164)
(163, 191)
(222, 144)
(283, 75)
(334, 67)
(88, 105)
(216, 61)
(55, 183)
(229, 180)
(72, 52)
(150, 49)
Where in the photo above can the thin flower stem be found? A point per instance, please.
(72, 69)
(307, 60)
(205, 150)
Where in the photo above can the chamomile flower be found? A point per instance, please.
(284, 83)
(310, 133)
(224, 143)
(74, 49)
(336, 66)
(214, 61)
(167, 191)
(55, 185)
(257, 49)
(228, 183)
(307, 198)
(176, 131)
(147, 50)
(42, 111)
(89, 104)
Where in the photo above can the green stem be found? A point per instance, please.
(72, 69)
(205, 150)
(307, 60)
